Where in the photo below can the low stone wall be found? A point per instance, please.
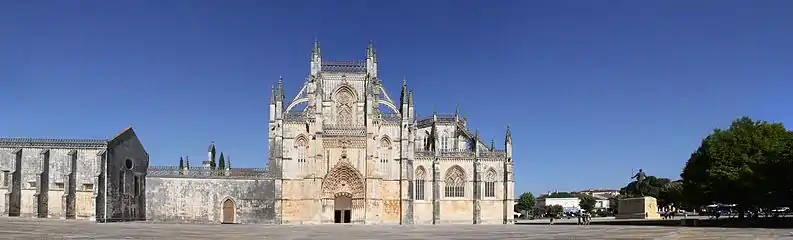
(783, 222)
(200, 200)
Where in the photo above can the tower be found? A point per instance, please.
(209, 163)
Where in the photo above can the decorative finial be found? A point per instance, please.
(457, 109)
(280, 79)
(435, 109)
(404, 81)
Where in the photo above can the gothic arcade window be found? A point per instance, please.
(302, 151)
(137, 186)
(385, 155)
(121, 183)
(421, 179)
(455, 182)
(445, 141)
(345, 103)
(490, 183)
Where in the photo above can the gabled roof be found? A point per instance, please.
(67, 142)
(53, 142)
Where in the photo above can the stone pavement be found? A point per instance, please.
(25, 228)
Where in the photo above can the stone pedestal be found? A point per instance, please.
(638, 208)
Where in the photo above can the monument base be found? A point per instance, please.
(638, 208)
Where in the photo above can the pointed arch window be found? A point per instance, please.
(385, 156)
(302, 154)
(420, 181)
(455, 182)
(490, 183)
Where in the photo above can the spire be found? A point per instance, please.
(456, 109)
(315, 51)
(403, 96)
(370, 52)
(508, 138)
(434, 109)
(410, 96)
(272, 94)
(369, 49)
(212, 147)
(492, 144)
(280, 88)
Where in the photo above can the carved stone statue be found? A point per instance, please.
(640, 176)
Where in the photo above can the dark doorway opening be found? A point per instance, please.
(342, 209)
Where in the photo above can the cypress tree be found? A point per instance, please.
(181, 166)
(228, 162)
(187, 162)
(221, 163)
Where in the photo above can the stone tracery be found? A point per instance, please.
(343, 178)
(455, 182)
(420, 180)
(490, 183)
(345, 103)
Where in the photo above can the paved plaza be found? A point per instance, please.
(23, 228)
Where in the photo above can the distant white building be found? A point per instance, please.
(606, 193)
(568, 204)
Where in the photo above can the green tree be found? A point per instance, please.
(538, 211)
(671, 194)
(221, 163)
(526, 203)
(181, 166)
(186, 162)
(228, 162)
(743, 165)
(555, 211)
(562, 195)
(586, 202)
(651, 187)
(614, 202)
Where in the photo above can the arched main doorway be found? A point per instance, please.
(228, 211)
(342, 208)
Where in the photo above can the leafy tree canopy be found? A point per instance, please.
(526, 202)
(746, 164)
(587, 203)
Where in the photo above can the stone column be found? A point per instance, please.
(65, 196)
(436, 191)
(477, 191)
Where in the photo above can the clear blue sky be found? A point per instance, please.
(592, 89)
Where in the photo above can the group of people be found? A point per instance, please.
(584, 218)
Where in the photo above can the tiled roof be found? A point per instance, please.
(53, 142)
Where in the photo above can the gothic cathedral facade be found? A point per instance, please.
(349, 153)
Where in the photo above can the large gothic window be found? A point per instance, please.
(385, 155)
(421, 179)
(302, 152)
(345, 103)
(455, 182)
(490, 183)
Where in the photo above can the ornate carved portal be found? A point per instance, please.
(343, 186)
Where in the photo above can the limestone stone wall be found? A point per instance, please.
(492, 212)
(422, 212)
(44, 181)
(127, 164)
(199, 200)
